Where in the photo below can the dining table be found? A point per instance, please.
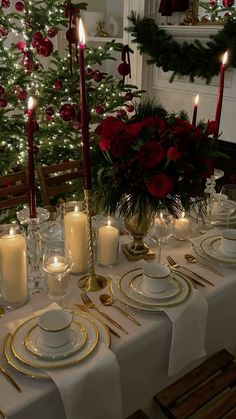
(116, 381)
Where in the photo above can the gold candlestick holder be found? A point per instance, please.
(91, 281)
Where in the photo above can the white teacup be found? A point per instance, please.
(55, 327)
(229, 241)
(155, 277)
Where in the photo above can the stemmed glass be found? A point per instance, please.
(228, 190)
(161, 230)
(57, 267)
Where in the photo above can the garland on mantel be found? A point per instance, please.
(191, 59)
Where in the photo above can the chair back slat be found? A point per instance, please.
(13, 189)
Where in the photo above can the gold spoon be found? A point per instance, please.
(191, 259)
(108, 300)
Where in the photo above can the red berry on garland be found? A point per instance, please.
(57, 85)
(35, 66)
(90, 72)
(21, 45)
(228, 3)
(52, 32)
(124, 69)
(121, 113)
(3, 103)
(2, 90)
(130, 108)
(67, 112)
(5, 3)
(99, 110)
(129, 95)
(20, 6)
(97, 76)
(45, 47)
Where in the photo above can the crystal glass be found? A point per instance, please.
(57, 267)
(13, 266)
(35, 275)
(162, 229)
(230, 191)
(107, 242)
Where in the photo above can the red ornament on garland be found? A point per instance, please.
(3, 32)
(21, 94)
(5, 3)
(124, 69)
(99, 110)
(97, 76)
(72, 36)
(90, 72)
(2, 90)
(52, 32)
(129, 95)
(67, 112)
(20, 6)
(3, 102)
(36, 38)
(21, 45)
(130, 108)
(57, 85)
(45, 47)
(228, 3)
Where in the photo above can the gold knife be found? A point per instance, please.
(10, 379)
(86, 310)
(197, 275)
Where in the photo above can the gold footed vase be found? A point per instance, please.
(138, 227)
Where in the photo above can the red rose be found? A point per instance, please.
(160, 185)
(151, 154)
(173, 154)
(104, 144)
(134, 129)
(155, 122)
(119, 147)
(182, 123)
(211, 128)
(110, 126)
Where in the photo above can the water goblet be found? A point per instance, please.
(161, 230)
(57, 267)
(229, 190)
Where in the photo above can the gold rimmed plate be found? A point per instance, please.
(172, 289)
(121, 291)
(22, 354)
(34, 342)
(211, 246)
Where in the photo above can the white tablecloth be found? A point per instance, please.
(143, 355)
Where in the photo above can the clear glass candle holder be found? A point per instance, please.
(13, 266)
(107, 246)
(76, 234)
(182, 227)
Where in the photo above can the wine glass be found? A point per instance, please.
(228, 205)
(161, 230)
(57, 267)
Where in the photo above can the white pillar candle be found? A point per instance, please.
(75, 232)
(107, 245)
(13, 267)
(182, 227)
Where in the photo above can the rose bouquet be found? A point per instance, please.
(153, 160)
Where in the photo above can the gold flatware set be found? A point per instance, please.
(191, 274)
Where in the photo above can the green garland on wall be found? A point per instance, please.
(187, 59)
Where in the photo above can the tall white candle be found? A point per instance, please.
(107, 245)
(13, 267)
(182, 227)
(75, 231)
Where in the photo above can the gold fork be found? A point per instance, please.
(176, 266)
(88, 302)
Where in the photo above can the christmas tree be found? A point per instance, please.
(31, 65)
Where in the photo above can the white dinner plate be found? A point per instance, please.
(219, 218)
(35, 344)
(123, 293)
(211, 246)
(19, 350)
(172, 289)
(104, 337)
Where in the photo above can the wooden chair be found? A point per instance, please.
(13, 189)
(59, 179)
(206, 392)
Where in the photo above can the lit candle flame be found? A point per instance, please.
(76, 208)
(109, 222)
(31, 103)
(11, 232)
(225, 58)
(183, 214)
(81, 33)
(55, 260)
(161, 215)
(196, 100)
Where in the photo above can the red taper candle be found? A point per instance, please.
(194, 120)
(30, 127)
(84, 110)
(220, 93)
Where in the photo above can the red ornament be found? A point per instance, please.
(2, 90)
(67, 112)
(3, 102)
(121, 113)
(228, 3)
(72, 35)
(20, 6)
(21, 94)
(35, 66)
(97, 76)
(99, 110)
(45, 47)
(212, 3)
(52, 32)
(124, 69)
(3, 32)
(36, 38)
(5, 3)
(130, 108)
(21, 45)
(77, 125)
(129, 95)
(90, 72)
(49, 110)
(57, 85)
